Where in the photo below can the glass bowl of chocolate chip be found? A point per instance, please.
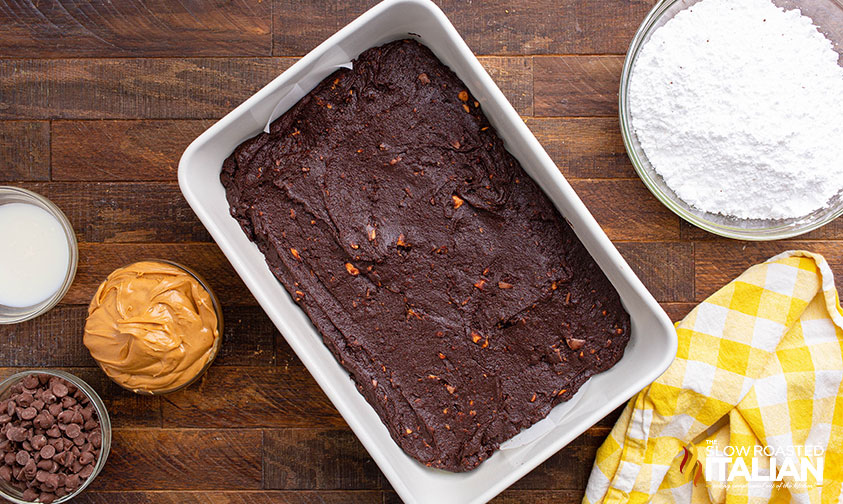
(55, 436)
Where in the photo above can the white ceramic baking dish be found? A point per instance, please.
(653, 341)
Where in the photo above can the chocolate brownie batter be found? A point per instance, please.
(439, 274)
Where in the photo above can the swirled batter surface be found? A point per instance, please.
(152, 327)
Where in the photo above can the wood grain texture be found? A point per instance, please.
(576, 85)
(666, 269)
(121, 150)
(343, 463)
(232, 497)
(99, 99)
(149, 150)
(24, 150)
(568, 469)
(125, 409)
(514, 76)
(169, 88)
(489, 27)
(248, 339)
(586, 148)
(125, 212)
(677, 311)
(720, 261)
(33, 343)
(166, 459)
(831, 231)
(97, 260)
(251, 397)
(130, 28)
(626, 210)
(337, 461)
(519, 497)
(135, 88)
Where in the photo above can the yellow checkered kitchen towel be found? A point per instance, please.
(757, 377)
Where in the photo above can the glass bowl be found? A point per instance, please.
(13, 494)
(11, 314)
(217, 343)
(828, 16)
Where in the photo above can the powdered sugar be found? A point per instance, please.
(738, 105)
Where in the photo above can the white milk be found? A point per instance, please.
(33, 255)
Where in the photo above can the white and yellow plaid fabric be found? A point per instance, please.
(760, 362)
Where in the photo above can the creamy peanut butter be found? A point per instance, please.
(152, 327)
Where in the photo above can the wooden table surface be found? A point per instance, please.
(99, 99)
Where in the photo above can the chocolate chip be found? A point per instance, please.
(86, 457)
(30, 468)
(22, 457)
(28, 413)
(30, 494)
(38, 441)
(25, 399)
(59, 389)
(48, 397)
(30, 381)
(47, 452)
(86, 471)
(65, 416)
(72, 482)
(17, 434)
(44, 420)
(49, 437)
(73, 431)
(55, 409)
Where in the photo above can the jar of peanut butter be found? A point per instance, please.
(154, 326)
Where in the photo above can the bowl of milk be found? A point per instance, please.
(38, 255)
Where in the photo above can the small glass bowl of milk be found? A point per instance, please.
(38, 254)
